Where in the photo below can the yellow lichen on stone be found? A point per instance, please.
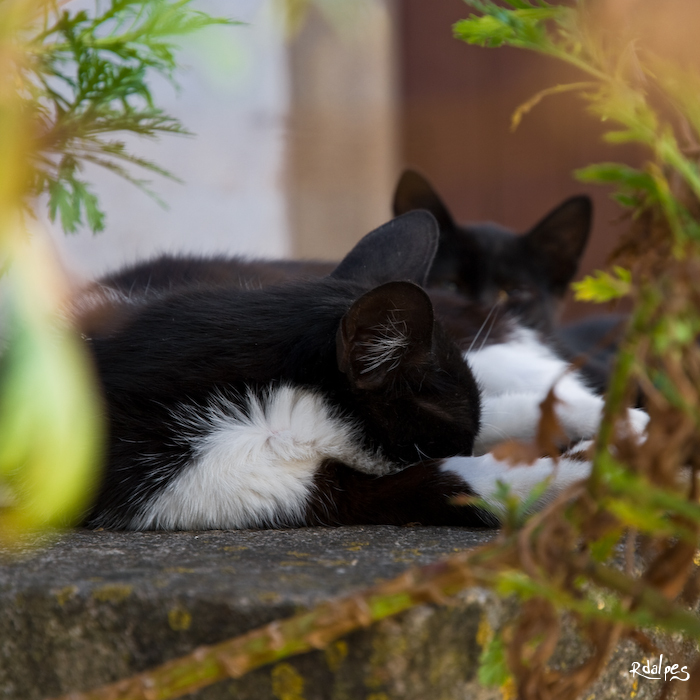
(484, 634)
(293, 563)
(406, 556)
(335, 654)
(356, 546)
(387, 650)
(299, 555)
(113, 593)
(64, 594)
(179, 619)
(443, 665)
(333, 562)
(287, 682)
(378, 696)
(237, 548)
(179, 570)
(268, 597)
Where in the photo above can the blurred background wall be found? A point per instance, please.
(234, 97)
(299, 143)
(456, 106)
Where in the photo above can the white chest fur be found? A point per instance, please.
(516, 376)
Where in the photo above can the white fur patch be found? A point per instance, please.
(254, 467)
(484, 472)
(516, 376)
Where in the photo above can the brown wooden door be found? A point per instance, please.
(456, 105)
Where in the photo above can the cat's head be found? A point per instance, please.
(406, 377)
(528, 273)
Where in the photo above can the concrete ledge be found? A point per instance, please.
(99, 606)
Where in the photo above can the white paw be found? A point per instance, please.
(482, 475)
(638, 421)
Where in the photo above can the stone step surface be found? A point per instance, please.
(95, 607)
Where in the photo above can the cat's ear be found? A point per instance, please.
(415, 192)
(402, 249)
(384, 329)
(560, 238)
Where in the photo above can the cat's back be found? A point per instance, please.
(169, 272)
(205, 334)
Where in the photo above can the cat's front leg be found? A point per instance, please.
(482, 475)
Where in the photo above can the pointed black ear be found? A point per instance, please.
(402, 249)
(560, 238)
(415, 192)
(384, 329)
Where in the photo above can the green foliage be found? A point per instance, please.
(87, 79)
(601, 287)
(50, 426)
(635, 490)
(618, 94)
(521, 26)
(493, 669)
(70, 81)
(508, 507)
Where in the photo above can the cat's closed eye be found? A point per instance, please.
(518, 295)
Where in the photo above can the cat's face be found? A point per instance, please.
(525, 274)
(407, 378)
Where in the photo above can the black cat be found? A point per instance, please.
(528, 273)
(331, 400)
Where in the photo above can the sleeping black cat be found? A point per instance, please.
(309, 402)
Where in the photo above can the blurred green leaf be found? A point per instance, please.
(616, 173)
(602, 548)
(601, 287)
(493, 669)
(50, 416)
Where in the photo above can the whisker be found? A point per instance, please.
(420, 452)
(496, 429)
(483, 325)
(493, 321)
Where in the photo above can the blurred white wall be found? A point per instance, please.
(234, 98)
(294, 145)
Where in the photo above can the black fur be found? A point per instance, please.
(420, 494)
(526, 274)
(200, 340)
(529, 273)
(170, 272)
